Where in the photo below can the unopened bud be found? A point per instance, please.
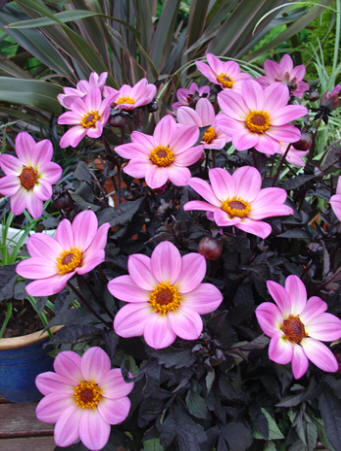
(210, 248)
(304, 143)
(330, 99)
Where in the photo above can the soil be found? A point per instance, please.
(23, 321)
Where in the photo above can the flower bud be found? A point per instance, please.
(210, 248)
(304, 143)
(330, 99)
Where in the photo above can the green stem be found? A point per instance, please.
(337, 43)
(7, 318)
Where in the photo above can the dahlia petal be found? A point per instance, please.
(205, 110)
(48, 286)
(215, 63)
(268, 145)
(245, 141)
(204, 299)
(259, 228)
(280, 349)
(66, 429)
(73, 136)
(84, 228)
(34, 205)
(137, 168)
(313, 308)
(18, 201)
(199, 205)
(253, 95)
(68, 365)
(280, 295)
(42, 190)
(299, 72)
(233, 105)
(93, 99)
(36, 268)
(50, 382)
(165, 131)
(145, 142)
(158, 333)
(223, 183)
(133, 150)
(271, 69)
(156, 176)
(186, 323)
(248, 182)
(114, 411)
(114, 386)
(43, 245)
(223, 219)
(269, 318)
(9, 185)
(286, 63)
(299, 362)
(192, 270)
(89, 263)
(188, 156)
(24, 147)
(131, 319)
(166, 262)
(95, 364)
(140, 270)
(70, 118)
(205, 190)
(297, 294)
(335, 202)
(53, 405)
(230, 126)
(326, 327)
(206, 71)
(287, 114)
(64, 234)
(320, 355)
(51, 172)
(269, 203)
(284, 133)
(97, 244)
(184, 138)
(179, 176)
(10, 165)
(276, 97)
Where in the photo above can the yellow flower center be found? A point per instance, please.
(258, 121)
(87, 395)
(89, 119)
(28, 177)
(68, 260)
(165, 298)
(236, 207)
(129, 100)
(162, 156)
(225, 80)
(293, 329)
(209, 135)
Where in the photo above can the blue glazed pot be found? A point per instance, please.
(21, 360)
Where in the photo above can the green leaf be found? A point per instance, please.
(274, 431)
(196, 405)
(152, 444)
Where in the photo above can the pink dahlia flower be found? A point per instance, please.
(76, 248)
(225, 74)
(29, 178)
(238, 200)
(335, 200)
(188, 96)
(296, 326)
(163, 156)
(83, 87)
(165, 296)
(84, 397)
(203, 116)
(293, 156)
(88, 117)
(259, 117)
(286, 73)
(131, 97)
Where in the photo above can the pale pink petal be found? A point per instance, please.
(206, 71)
(93, 99)
(114, 386)
(299, 362)
(158, 332)
(248, 182)
(286, 63)
(215, 63)
(188, 156)
(166, 262)
(179, 176)
(313, 308)
(268, 145)
(24, 147)
(50, 382)
(140, 270)
(133, 150)
(184, 137)
(192, 270)
(18, 201)
(269, 203)
(9, 185)
(271, 68)
(34, 205)
(36, 268)
(64, 234)
(222, 219)
(231, 126)
(206, 112)
(114, 411)
(276, 96)
(233, 104)
(95, 364)
(223, 183)
(137, 168)
(10, 165)
(199, 205)
(185, 323)
(156, 176)
(49, 286)
(95, 131)
(51, 172)
(146, 142)
(84, 228)
(297, 293)
(72, 137)
(280, 349)
(284, 133)
(320, 355)
(97, 244)
(165, 130)
(253, 95)
(131, 319)
(68, 365)
(205, 190)
(269, 318)
(245, 141)
(43, 245)
(124, 288)
(187, 116)
(288, 113)
(335, 202)
(70, 118)
(43, 189)
(280, 295)
(326, 327)
(89, 263)
(53, 405)
(204, 299)
(66, 429)
(259, 228)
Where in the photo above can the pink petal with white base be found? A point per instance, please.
(199, 205)
(68, 364)
(158, 333)
(313, 308)
(64, 234)
(204, 189)
(186, 324)
(124, 288)
(288, 113)
(24, 147)
(248, 182)
(84, 228)
(72, 137)
(299, 362)
(95, 364)
(258, 228)
(53, 406)
(140, 270)
(93, 430)
(114, 386)
(253, 95)
(50, 382)
(269, 318)
(18, 202)
(325, 327)
(166, 262)
(223, 183)
(36, 267)
(320, 355)
(10, 165)
(179, 176)
(49, 286)
(297, 293)
(42, 245)
(156, 176)
(114, 411)
(165, 130)
(131, 319)
(192, 270)
(280, 349)
(280, 295)
(186, 158)
(9, 185)
(204, 299)
(66, 429)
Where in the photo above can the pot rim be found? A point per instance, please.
(26, 340)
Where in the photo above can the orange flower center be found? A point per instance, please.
(89, 119)
(162, 156)
(165, 298)
(225, 80)
(87, 395)
(28, 177)
(293, 329)
(236, 207)
(209, 135)
(68, 260)
(258, 121)
(121, 100)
